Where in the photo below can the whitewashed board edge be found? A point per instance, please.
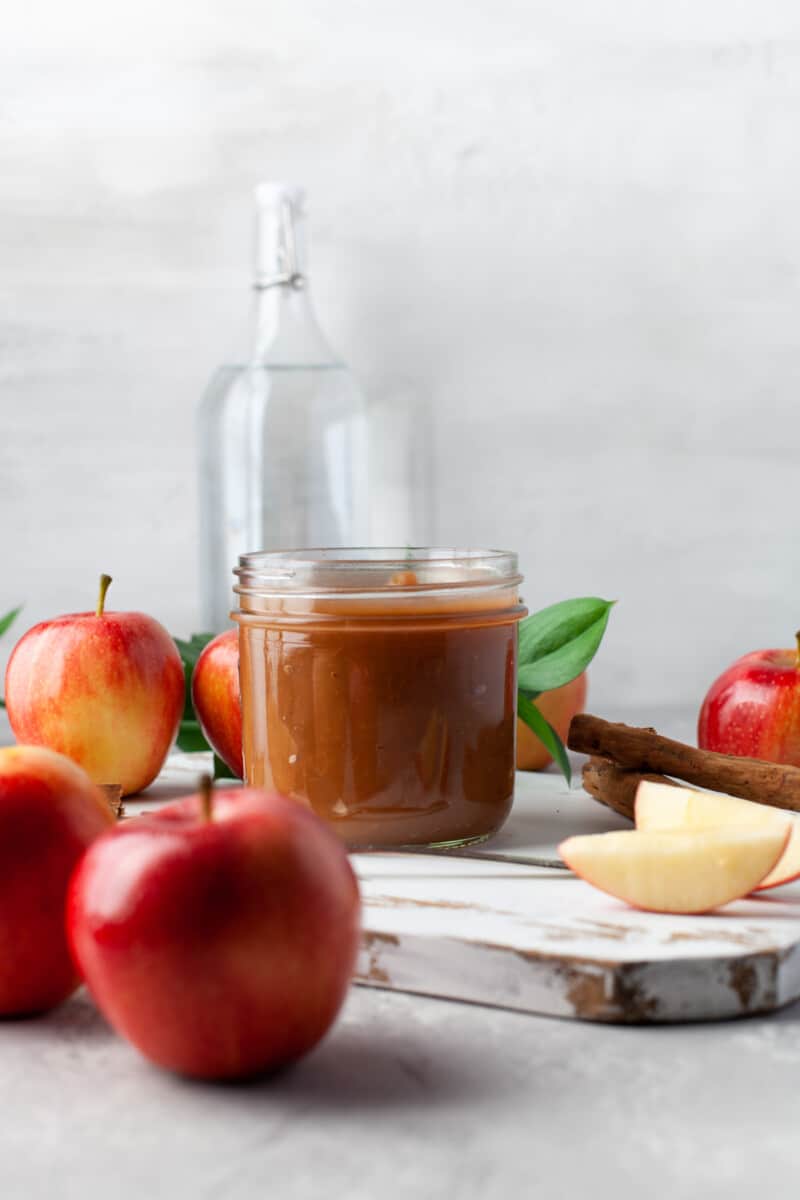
(678, 989)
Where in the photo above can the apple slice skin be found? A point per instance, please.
(788, 867)
(663, 806)
(601, 860)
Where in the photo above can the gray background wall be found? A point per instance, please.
(572, 227)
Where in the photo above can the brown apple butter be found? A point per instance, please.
(379, 688)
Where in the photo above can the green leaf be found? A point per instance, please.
(5, 623)
(547, 630)
(559, 642)
(8, 620)
(190, 736)
(190, 650)
(545, 733)
(222, 770)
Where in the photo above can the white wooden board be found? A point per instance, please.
(543, 941)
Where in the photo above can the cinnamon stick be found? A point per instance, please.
(615, 786)
(113, 794)
(646, 751)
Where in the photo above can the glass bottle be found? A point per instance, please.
(283, 439)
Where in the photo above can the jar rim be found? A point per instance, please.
(374, 569)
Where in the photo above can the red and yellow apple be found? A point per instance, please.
(50, 811)
(219, 934)
(663, 806)
(677, 871)
(105, 688)
(558, 707)
(217, 700)
(753, 709)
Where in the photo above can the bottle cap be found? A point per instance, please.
(272, 193)
(280, 254)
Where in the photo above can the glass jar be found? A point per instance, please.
(379, 688)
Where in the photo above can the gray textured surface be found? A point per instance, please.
(573, 227)
(411, 1098)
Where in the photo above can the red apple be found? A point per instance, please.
(753, 709)
(50, 811)
(558, 707)
(217, 700)
(105, 688)
(219, 934)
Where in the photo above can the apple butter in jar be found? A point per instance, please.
(379, 688)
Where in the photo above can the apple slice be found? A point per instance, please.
(662, 806)
(676, 870)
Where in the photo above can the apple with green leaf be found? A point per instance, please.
(104, 688)
(558, 707)
(556, 645)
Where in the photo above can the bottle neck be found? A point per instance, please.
(286, 332)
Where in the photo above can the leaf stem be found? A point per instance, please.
(105, 582)
(206, 803)
(530, 714)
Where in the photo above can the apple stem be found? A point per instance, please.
(206, 790)
(797, 639)
(105, 581)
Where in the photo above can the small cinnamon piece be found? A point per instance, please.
(615, 786)
(646, 751)
(113, 794)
